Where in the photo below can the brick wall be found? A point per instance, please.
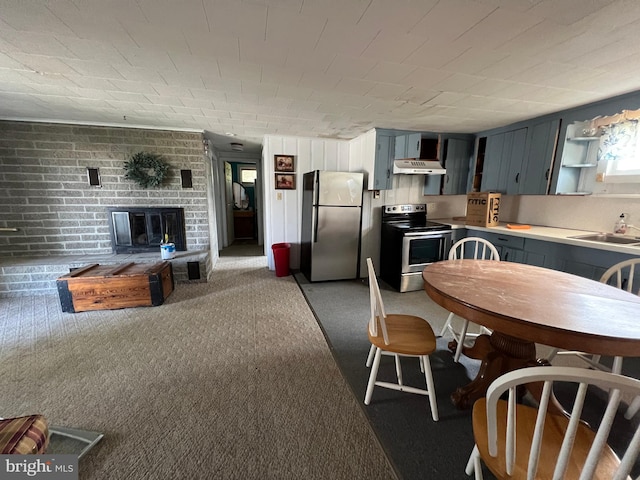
(45, 193)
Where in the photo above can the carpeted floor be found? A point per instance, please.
(228, 379)
(418, 447)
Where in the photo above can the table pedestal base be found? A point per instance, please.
(499, 354)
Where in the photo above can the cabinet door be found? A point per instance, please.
(413, 145)
(508, 254)
(400, 147)
(541, 146)
(492, 159)
(515, 161)
(384, 163)
(456, 162)
(407, 146)
(503, 161)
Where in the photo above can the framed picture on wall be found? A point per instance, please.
(285, 181)
(284, 163)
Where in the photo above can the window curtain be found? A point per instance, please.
(619, 143)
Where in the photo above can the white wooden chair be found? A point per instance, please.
(470, 247)
(517, 441)
(398, 335)
(620, 275)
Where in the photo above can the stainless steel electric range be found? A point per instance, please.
(409, 242)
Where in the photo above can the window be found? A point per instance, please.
(247, 175)
(620, 148)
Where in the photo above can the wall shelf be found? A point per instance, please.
(583, 139)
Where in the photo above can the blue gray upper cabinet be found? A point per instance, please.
(519, 162)
(407, 146)
(456, 159)
(383, 166)
(541, 147)
(503, 161)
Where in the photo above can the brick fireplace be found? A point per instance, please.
(144, 229)
(46, 195)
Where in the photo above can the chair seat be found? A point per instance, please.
(408, 335)
(24, 435)
(554, 429)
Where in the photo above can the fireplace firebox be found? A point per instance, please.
(144, 229)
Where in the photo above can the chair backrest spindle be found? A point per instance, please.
(481, 249)
(573, 434)
(622, 275)
(378, 315)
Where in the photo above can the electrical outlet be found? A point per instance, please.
(279, 196)
(600, 177)
(376, 194)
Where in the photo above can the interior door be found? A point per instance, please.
(228, 201)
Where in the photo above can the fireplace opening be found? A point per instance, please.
(144, 229)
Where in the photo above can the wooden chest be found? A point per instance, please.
(108, 287)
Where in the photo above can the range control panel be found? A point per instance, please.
(407, 208)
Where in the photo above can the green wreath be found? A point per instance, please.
(146, 169)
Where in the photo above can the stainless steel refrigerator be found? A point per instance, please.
(331, 219)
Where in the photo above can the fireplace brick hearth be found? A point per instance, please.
(22, 276)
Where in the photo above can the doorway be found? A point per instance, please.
(243, 202)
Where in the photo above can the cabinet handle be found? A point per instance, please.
(503, 239)
(506, 255)
(447, 179)
(388, 173)
(546, 174)
(418, 148)
(517, 177)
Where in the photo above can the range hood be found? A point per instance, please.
(418, 167)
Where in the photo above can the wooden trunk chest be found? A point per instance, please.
(108, 287)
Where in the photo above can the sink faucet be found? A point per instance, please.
(632, 227)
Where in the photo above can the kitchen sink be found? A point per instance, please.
(609, 238)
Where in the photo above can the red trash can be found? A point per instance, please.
(281, 258)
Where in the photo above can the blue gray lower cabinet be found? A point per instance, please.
(582, 261)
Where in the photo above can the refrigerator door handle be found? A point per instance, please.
(315, 226)
(316, 188)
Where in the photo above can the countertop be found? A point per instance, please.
(549, 234)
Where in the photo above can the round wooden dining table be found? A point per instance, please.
(524, 305)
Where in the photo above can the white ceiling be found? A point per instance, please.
(318, 68)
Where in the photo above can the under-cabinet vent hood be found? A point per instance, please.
(418, 167)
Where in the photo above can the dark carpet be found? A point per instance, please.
(418, 447)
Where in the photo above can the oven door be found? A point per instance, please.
(419, 250)
(422, 248)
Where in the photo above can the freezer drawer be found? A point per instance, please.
(335, 244)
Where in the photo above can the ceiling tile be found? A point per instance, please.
(390, 46)
(135, 87)
(388, 72)
(568, 12)
(352, 67)
(458, 82)
(498, 28)
(449, 20)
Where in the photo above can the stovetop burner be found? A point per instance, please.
(426, 227)
(410, 218)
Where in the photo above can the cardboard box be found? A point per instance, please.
(483, 209)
